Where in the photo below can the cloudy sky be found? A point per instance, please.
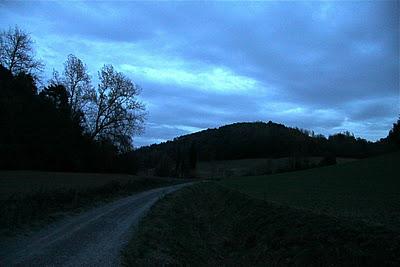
(324, 66)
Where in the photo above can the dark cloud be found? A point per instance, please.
(372, 109)
(318, 65)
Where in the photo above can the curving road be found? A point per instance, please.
(92, 238)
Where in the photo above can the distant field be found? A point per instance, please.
(248, 167)
(367, 189)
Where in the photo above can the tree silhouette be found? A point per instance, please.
(114, 112)
(16, 52)
(76, 81)
(193, 156)
(394, 134)
(57, 95)
(68, 126)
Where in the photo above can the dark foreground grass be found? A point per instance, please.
(209, 225)
(367, 190)
(25, 209)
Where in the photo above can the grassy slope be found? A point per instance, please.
(209, 225)
(30, 198)
(366, 189)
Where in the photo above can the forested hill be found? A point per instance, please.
(255, 140)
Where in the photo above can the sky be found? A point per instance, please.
(322, 66)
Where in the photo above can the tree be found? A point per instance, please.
(17, 53)
(193, 156)
(394, 134)
(57, 95)
(76, 80)
(114, 113)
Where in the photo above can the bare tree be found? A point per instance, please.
(16, 52)
(76, 80)
(115, 114)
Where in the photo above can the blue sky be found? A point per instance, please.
(324, 66)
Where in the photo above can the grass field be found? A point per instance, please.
(209, 225)
(28, 198)
(367, 189)
(247, 167)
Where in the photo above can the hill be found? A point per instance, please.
(248, 140)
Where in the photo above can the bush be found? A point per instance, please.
(329, 159)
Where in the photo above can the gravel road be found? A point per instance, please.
(92, 238)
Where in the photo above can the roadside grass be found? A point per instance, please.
(30, 199)
(367, 189)
(209, 225)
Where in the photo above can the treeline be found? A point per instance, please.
(67, 125)
(256, 140)
(38, 131)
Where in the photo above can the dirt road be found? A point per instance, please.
(93, 238)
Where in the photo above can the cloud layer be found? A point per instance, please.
(324, 66)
